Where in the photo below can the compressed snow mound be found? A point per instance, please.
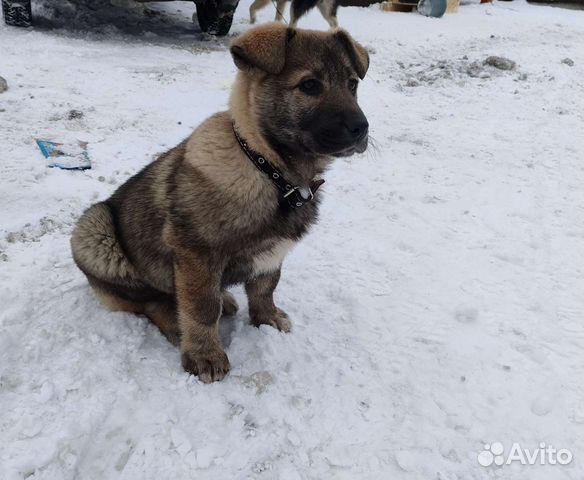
(117, 17)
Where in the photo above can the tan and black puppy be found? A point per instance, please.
(222, 207)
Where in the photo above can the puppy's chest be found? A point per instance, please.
(262, 250)
(289, 227)
(270, 259)
(250, 262)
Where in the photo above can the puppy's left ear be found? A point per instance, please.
(262, 48)
(357, 53)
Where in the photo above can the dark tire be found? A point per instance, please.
(17, 13)
(213, 19)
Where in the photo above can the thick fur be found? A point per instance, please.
(327, 8)
(201, 217)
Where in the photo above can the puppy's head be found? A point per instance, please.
(302, 88)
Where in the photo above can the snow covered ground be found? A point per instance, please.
(437, 308)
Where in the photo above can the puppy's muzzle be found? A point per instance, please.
(343, 133)
(357, 126)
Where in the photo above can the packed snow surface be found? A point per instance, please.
(437, 305)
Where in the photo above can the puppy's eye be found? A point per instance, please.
(311, 87)
(353, 84)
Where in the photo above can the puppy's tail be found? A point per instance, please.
(96, 248)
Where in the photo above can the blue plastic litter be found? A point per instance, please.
(65, 156)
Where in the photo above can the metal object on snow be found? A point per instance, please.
(432, 8)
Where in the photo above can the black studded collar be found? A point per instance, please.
(294, 196)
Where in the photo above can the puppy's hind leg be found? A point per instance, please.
(114, 302)
(99, 254)
(161, 312)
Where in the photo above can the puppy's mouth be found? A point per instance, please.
(331, 146)
(358, 148)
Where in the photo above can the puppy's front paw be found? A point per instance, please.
(210, 366)
(279, 319)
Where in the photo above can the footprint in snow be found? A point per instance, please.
(466, 314)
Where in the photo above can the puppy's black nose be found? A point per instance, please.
(357, 125)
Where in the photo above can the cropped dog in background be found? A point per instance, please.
(225, 206)
(328, 9)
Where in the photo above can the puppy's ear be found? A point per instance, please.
(357, 53)
(262, 47)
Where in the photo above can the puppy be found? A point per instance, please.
(328, 9)
(225, 206)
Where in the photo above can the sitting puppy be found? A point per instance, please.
(225, 206)
(328, 9)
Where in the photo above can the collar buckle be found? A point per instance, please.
(301, 191)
